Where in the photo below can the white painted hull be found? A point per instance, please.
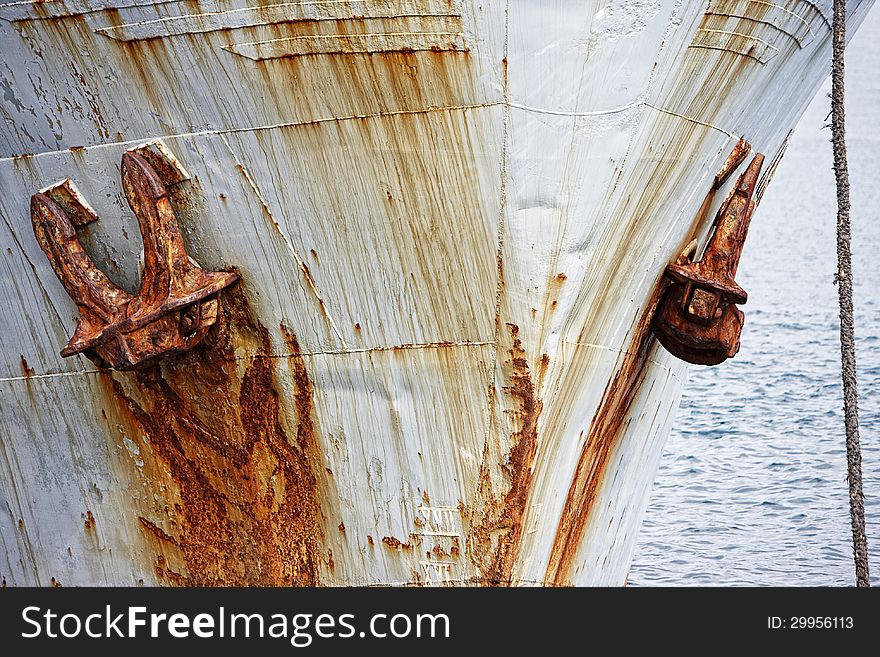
(448, 233)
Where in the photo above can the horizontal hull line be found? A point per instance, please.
(375, 115)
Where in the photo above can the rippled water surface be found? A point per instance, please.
(752, 486)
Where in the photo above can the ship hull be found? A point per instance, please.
(449, 220)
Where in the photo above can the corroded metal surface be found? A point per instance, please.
(177, 302)
(437, 367)
(697, 319)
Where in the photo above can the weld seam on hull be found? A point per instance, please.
(756, 20)
(107, 31)
(83, 12)
(376, 115)
(327, 352)
(739, 34)
(259, 128)
(793, 14)
(156, 3)
(461, 581)
(624, 352)
(692, 120)
(318, 37)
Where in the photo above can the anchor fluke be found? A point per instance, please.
(697, 319)
(177, 303)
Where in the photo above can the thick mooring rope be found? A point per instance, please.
(845, 290)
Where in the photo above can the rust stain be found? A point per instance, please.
(496, 537)
(605, 430)
(246, 509)
(26, 370)
(157, 531)
(166, 574)
(542, 369)
(89, 522)
(395, 543)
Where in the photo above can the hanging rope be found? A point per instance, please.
(845, 290)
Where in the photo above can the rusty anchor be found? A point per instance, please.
(697, 319)
(177, 302)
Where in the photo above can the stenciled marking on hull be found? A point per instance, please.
(439, 521)
(438, 532)
(535, 513)
(757, 29)
(438, 573)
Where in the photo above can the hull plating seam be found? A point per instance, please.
(379, 115)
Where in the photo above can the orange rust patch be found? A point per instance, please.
(605, 429)
(165, 574)
(26, 370)
(542, 369)
(157, 531)
(439, 552)
(247, 512)
(89, 522)
(395, 543)
(495, 540)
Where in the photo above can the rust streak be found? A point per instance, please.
(497, 536)
(26, 370)
(157, 531)
(395, 543)
(605, 430)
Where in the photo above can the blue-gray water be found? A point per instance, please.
(752, 485)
